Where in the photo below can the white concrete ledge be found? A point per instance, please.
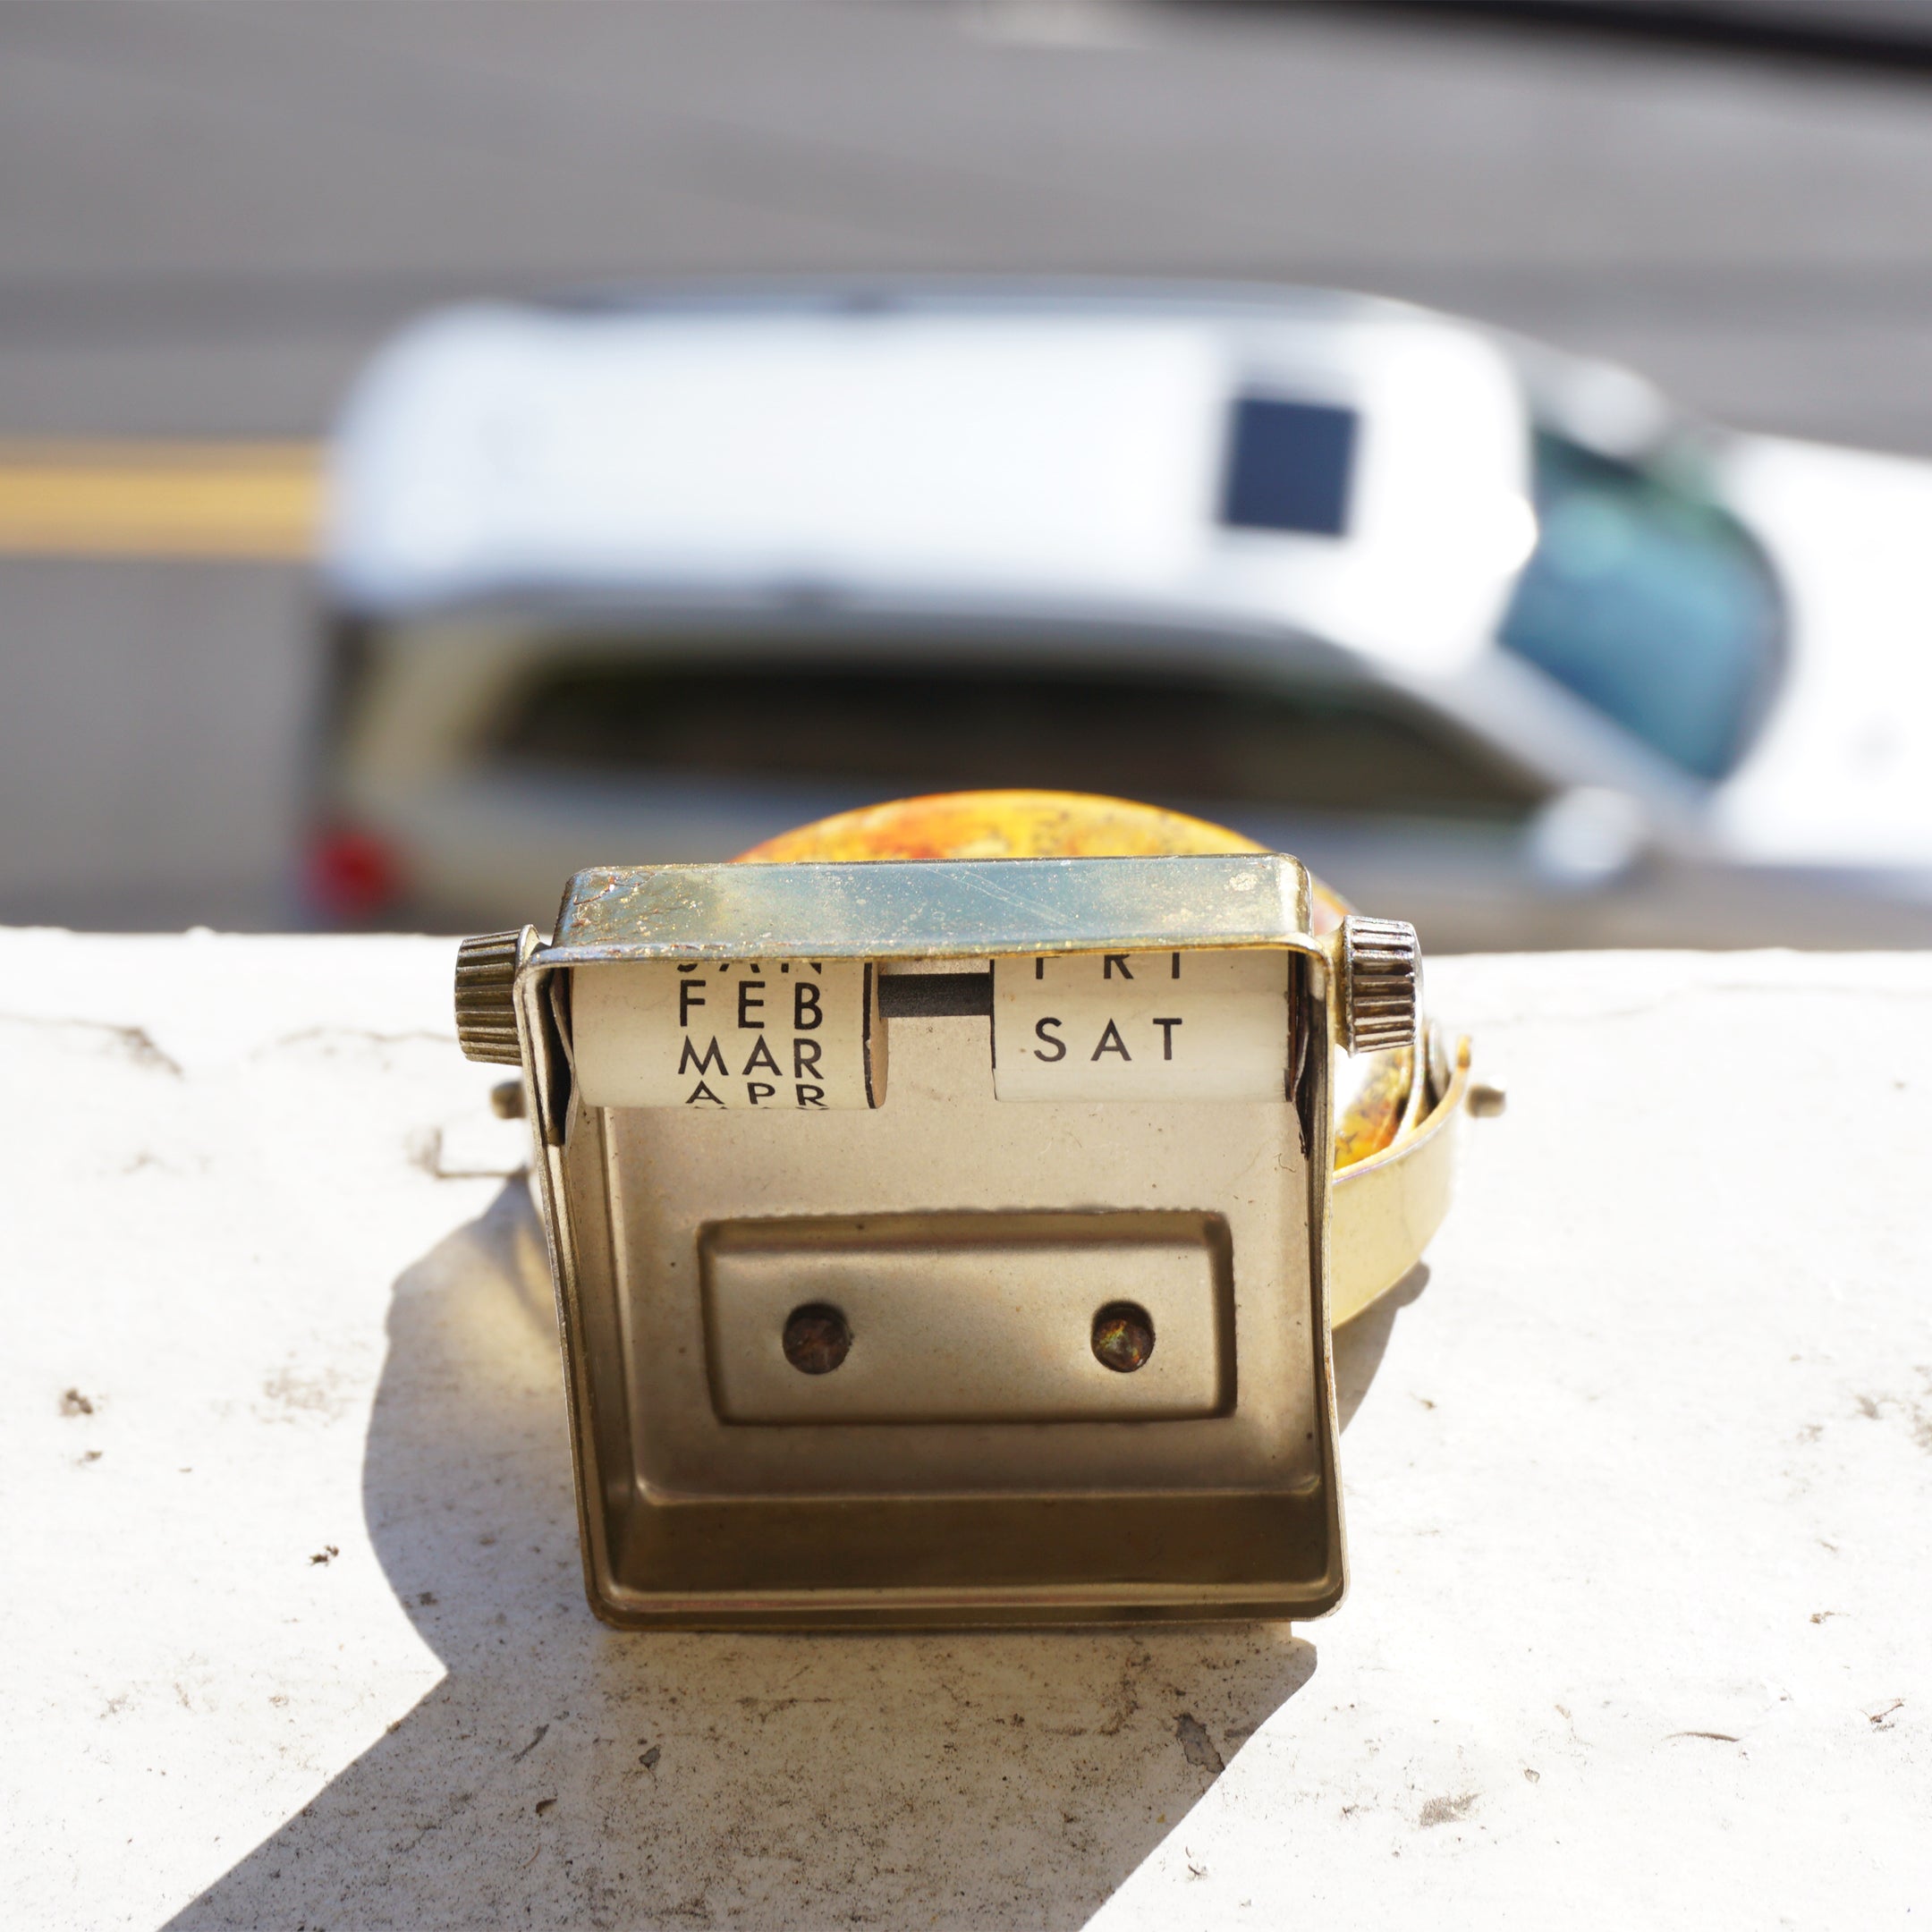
(1639, 1494)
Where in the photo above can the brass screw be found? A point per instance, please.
(506, 1099)
(817, 1339)
(1486, 1102)
(1123, 1336)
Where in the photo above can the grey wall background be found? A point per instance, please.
(209, 214)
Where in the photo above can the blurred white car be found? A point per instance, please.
(1487, 634)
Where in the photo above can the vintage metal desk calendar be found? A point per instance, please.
(955, 1240)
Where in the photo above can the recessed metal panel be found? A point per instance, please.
(956, 1317)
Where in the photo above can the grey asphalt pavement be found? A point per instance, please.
(210, 213)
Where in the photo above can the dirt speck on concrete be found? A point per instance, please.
(1447, 1810)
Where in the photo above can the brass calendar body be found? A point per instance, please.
(949, 1242)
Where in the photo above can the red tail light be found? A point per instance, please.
(352, 875)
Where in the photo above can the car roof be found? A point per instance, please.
(990, 450)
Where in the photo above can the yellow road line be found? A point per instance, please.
(160, 499)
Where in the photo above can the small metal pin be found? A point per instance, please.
(1485, 1102)
(1123, 1336)
(817, 1338)
(506, 1099)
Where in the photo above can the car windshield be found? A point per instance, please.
(1649, 600)
(918, 717)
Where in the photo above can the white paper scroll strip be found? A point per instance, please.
(1141, 1026)
(779, 1036)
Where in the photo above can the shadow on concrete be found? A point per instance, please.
(1360, 1345)
(562, 1773)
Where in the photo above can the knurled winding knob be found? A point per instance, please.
(1381, 978)
(486, 995)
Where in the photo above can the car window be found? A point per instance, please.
(1649, 600)
(929, 723)
(1290, 466)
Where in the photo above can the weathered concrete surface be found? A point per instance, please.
(1639, 1489)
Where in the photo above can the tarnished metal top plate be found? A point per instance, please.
(926, 908)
